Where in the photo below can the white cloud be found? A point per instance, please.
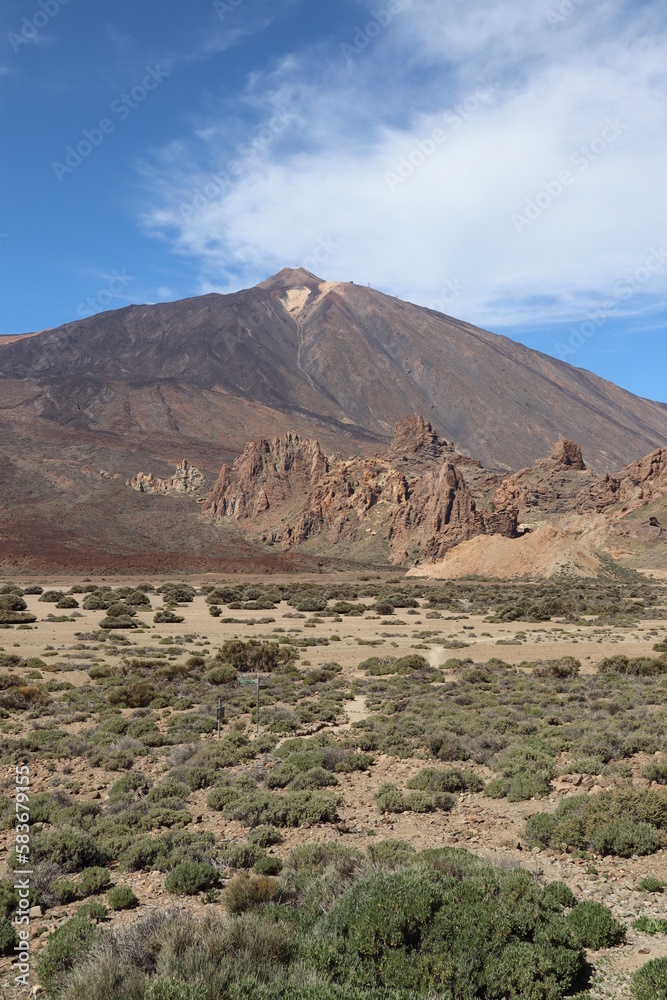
(324, 182)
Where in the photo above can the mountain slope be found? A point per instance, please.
(341, 360)
(84, 406)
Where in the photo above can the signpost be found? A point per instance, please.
(250, 680)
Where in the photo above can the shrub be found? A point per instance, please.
(419, 927)
(650, 982)
(292, 809)
(265, 836)
(622, 822)
(656, 771)
(567, 666)
(167, 618)
(268, 866)
(191, 877)
(445, 746)
(391, 799)
(560, 893)
(651, 884)
(65, 891)
(390, 853)
(434, 780)
(8, 938)
(594, 926)
(650, 925)
(67, 602)
(70, 848)
(224, 673)
(94, 880)
(52, 596)
(248, 891)
(67, 944)
(253, 655)
(121, 897)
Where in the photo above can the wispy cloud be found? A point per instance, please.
(557, 86)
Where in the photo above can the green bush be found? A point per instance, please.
(8, 937)
(390, 799)
(560, 893)
(291, 809)
(70, 848)
(650, 925)
(94, 880)
(594, 926)
(390, 853)
(167, 618)
(121, 897)
(254, 655)
(224, 673)
(434, 780)
(650, 982)
(67, 944)
(622, 822)
(268, 866)
(651, 884)
(191, 877)
(656, 771)
(567, 666)
(265, 836)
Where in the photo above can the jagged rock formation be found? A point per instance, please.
(414, 502)
(186, 480)
(635, 486)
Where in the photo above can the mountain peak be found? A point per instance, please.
(291, 277)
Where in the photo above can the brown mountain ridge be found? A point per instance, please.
(84, 406)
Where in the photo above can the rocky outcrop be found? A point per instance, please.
(635, 486)
(567, 455)
(268, 475)
(413, 502)
(186, 481)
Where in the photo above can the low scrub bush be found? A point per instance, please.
(290, 809)
(191, 877)
(650, 925)
(622, 822)
(249, 891)
(390, 799)
(650, 982)
(431, 779)
(656, 771)
(121, 897)
(594, 926)
(651, 884)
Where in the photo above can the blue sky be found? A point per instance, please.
(501, 161)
